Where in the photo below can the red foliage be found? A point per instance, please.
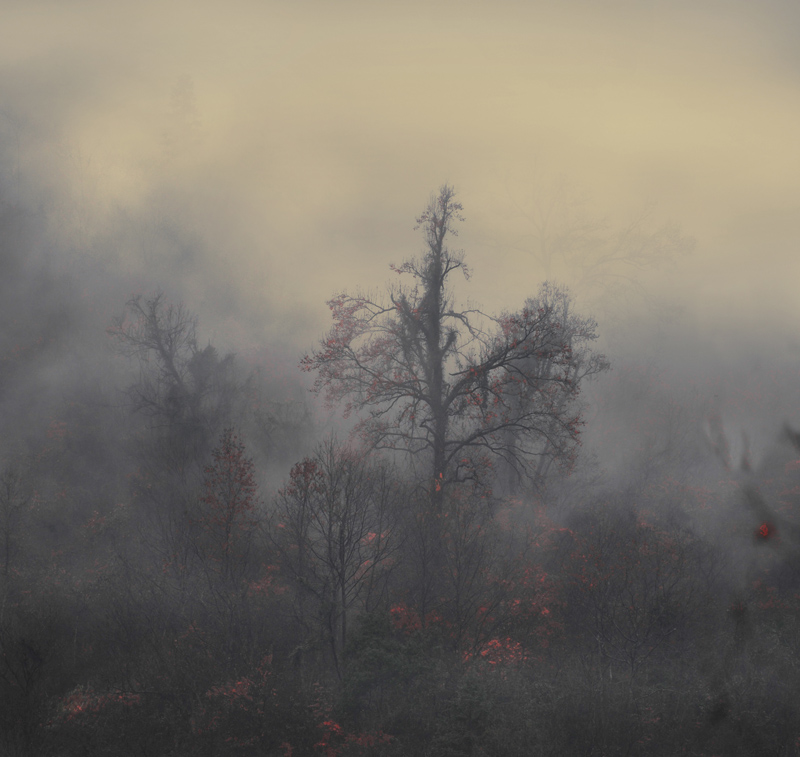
(500, 651)
(408, 620)
(267, 585)
(241, 710)
(306, 478)
(84, 701)
(335, 741)
(228, 515)
(405, 619)
(765, 531)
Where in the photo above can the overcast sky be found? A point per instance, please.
(293, 144)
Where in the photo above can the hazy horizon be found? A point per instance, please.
(254, 160)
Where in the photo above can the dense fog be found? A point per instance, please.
(399, 380)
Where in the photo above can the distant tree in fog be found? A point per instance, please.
(180, 386)
(566, 239)
(188, 393)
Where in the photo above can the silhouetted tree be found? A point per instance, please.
(335, 531)
(463, 388)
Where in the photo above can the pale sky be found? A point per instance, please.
(295, 142)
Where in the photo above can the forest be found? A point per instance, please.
(414, 379)
(190, 564)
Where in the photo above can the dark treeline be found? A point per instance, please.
(188, 566)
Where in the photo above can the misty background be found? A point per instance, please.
(252, 160)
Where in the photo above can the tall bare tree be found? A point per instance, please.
(336, 532)
(462, 389)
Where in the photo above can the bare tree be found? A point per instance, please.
(566, 239)
(334, 527)
(182, 388)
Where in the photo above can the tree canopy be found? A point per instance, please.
(463, 388)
